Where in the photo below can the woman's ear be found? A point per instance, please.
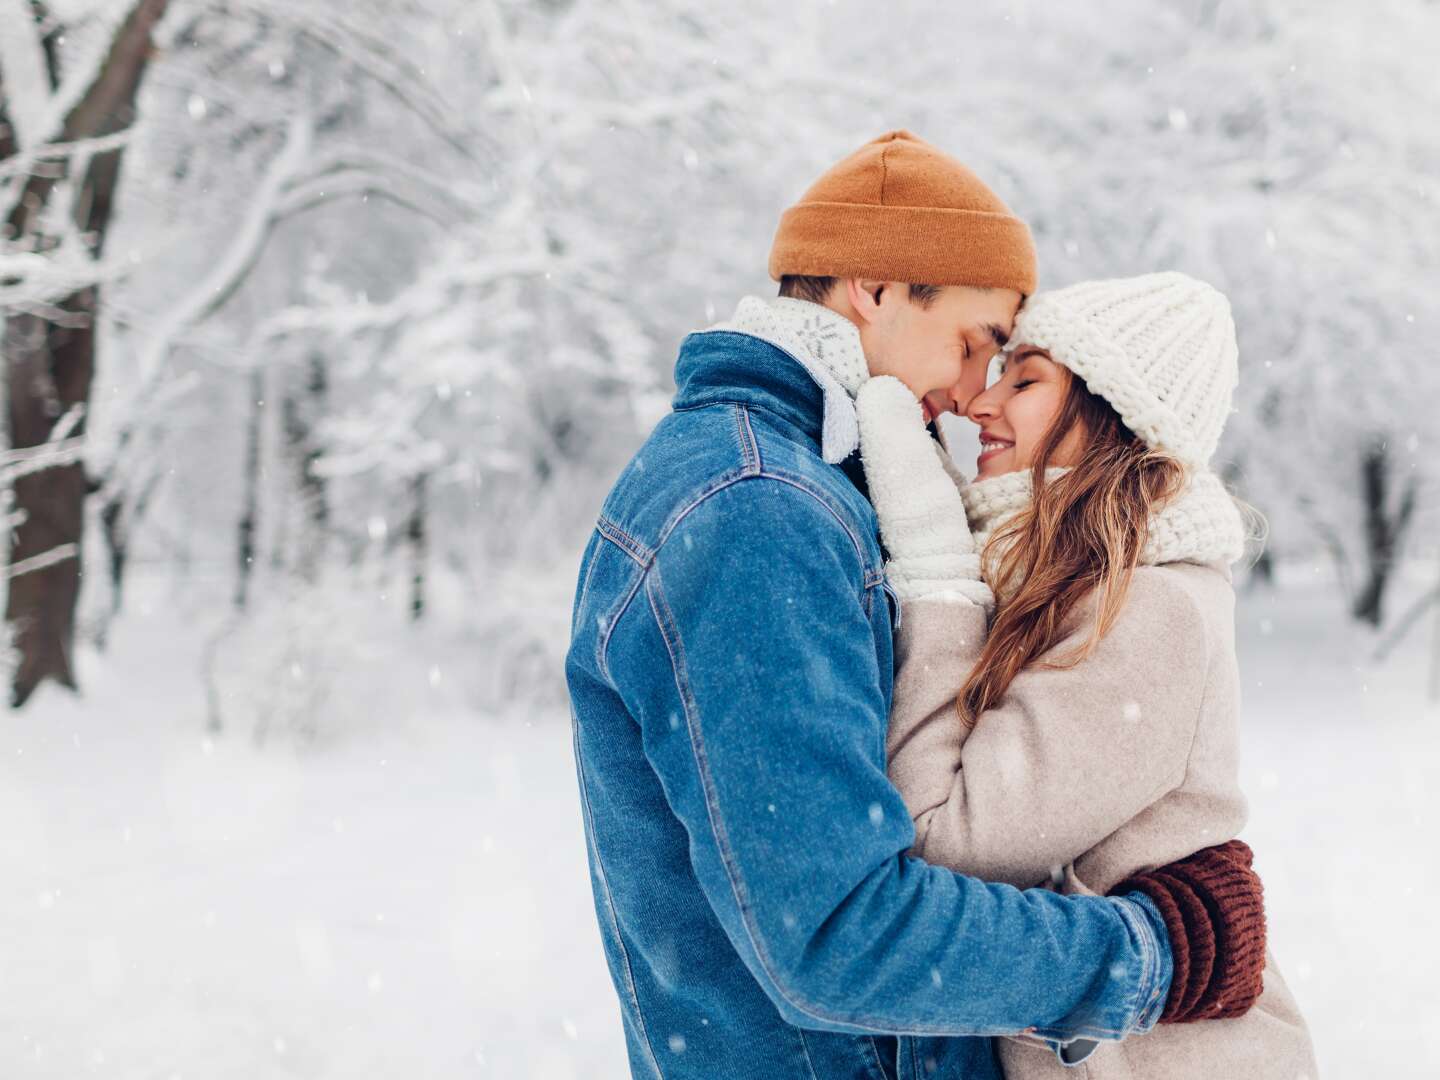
(864, 296)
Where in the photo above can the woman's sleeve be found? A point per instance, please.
(1067, 756)
(936, 645)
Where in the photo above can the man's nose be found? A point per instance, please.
(958, 398)
(970, 385)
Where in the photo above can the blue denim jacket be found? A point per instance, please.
(730, 679)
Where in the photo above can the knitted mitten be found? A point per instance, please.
(1214, 909)
(922, 518)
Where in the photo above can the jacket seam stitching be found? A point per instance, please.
(804, 366)
(747, 459)
(624, 541)
(783, 477)
(805, 1049)
(1137, 999)
(665, 623)
(584, 592)
(602, 644)
(753, 444)
(1135, 1007)
(610, 908)
(779, 476)
(1150, 946)
(875, 1051)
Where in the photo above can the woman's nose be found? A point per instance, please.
(982, 407)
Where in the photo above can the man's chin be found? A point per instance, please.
(931, 409)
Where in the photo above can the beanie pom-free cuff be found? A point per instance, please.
(921, 245)
(1101, 364)
(1160, 348)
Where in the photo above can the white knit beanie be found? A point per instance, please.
(1160, 348)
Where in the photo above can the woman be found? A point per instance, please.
(1089, 729)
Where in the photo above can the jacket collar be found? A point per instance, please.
(812, 342)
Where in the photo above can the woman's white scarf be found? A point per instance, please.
(1201, 524)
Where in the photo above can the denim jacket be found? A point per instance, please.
(730, 677)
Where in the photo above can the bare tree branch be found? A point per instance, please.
(105, 109)
(357, 158)
(234, 263)
(350, 319)
(378, 59)
(22, 56)
(31, 162)
(40, 562)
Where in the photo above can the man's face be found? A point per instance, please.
(941, 351)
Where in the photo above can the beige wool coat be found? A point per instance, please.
(1085, 775)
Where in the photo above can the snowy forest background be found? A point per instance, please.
(326, 327)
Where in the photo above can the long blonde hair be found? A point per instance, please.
(1084, 530)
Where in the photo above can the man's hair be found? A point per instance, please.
(817, 289)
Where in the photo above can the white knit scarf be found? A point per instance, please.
(826, 345)
(1201, 524)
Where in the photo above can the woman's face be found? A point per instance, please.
(1016, 411)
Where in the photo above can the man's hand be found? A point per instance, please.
(1214, 909)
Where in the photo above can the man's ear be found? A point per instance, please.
(864, 296)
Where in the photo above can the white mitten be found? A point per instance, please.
(922, 519)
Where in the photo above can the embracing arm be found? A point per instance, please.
(1069, 754)
(936, 646)
(1032, 786)
(757, 681)
(1072, 754)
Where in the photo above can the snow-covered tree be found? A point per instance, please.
(245, 132)
(413, 275)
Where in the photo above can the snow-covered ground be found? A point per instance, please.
(412, 901)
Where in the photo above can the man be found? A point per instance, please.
(730, 676)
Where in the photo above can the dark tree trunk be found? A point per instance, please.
(317, 387)
(248, 528)
(415, 535)
(121, 512)
(1262, 574)
(51, 362)
(302, 413)
(1384, 529)
(117, 547)
(48, 370)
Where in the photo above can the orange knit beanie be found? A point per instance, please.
(899, 209)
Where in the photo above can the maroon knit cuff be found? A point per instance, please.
(1213, 905)
(1234, 897)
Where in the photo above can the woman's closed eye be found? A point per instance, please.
(1022, 383)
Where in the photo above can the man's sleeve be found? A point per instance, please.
(755, 677)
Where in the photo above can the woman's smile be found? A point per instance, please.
(991, 446)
